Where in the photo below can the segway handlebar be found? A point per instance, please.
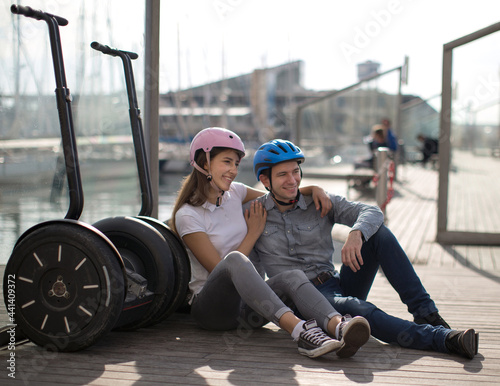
(136, 124)
(112, 51)
(63, 100)
(33, 13)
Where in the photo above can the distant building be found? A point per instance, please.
(367, 69)
(261, 105)
(247, 104)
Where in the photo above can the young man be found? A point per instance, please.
(296, 236)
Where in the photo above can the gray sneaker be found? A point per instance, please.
(313, 342)
(353, 333)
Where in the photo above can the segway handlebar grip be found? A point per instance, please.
(112, 51)
(33, 13)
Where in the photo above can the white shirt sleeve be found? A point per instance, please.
(187, 221)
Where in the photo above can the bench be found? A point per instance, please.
(358, 179)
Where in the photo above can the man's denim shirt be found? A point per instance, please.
(300, 238)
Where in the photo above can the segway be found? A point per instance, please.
(170, 290)
(64, 283)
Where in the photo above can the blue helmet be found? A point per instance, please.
(274, 152)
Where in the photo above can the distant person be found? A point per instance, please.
(430, 146)
(390, 136)
(377, 139)
(227, 291)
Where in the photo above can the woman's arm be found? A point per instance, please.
(252, 194)
(320, 197)
(203, 249)
(199, 243)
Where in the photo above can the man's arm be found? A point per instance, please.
(357, 215)
(364, 220)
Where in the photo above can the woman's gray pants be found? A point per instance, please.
(236, 295)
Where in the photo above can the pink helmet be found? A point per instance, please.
(214, 137)
(206, 140)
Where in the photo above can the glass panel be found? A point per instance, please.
(33, 187)
(419, 117)
(336, 130)
(474, 188)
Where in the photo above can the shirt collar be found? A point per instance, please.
(302, 204)
(211, 207)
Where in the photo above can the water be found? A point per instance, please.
(110, 189)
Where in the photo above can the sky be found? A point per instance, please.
(330, 36)
(206, 40)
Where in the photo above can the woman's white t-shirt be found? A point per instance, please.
(225, 226)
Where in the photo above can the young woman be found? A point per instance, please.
(226, 289)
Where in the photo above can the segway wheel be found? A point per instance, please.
(65, 283)
(182, 271)
(146, 255)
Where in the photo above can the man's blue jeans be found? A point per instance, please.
(385, 327)
(348, 291)
(383, 250)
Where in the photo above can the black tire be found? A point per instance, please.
(65, 282)
(182, 270)
(144, 251)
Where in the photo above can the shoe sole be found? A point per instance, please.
(314, 353)
(356, 334)
(469, 343)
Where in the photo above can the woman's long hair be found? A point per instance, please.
(195, 188)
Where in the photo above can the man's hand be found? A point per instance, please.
(351, 251)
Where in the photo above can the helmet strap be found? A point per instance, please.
(291, 202)
(219, 191)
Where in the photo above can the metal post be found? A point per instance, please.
(397, 128)
(381, 157)
(444, 141)
(298, 125)
(151, 94)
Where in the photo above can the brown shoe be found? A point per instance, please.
(434, 319)
(464, 343)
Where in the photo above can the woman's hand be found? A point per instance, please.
(255, 218)
(321, 200)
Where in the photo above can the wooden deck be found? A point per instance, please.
(464, 281)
